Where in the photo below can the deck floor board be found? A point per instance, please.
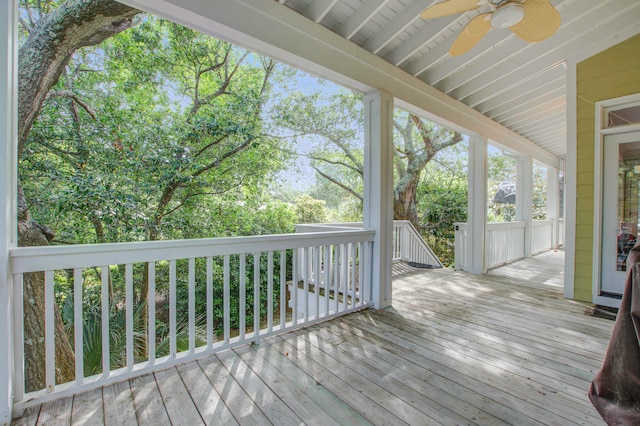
(455, 348)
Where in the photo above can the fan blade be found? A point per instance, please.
(471, 35)
(541, 20)
(448, 8)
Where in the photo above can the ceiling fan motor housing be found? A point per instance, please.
(507, 15)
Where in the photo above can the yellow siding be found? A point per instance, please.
(609, 74)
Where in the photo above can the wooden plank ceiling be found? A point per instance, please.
(517, 84)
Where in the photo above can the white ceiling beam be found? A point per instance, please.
(542, 115)
(430, 30)
(434, 55)
(559, 153)
(359, 19)
(537, 129)
(549, 99)
(456, 26)
(554, 79)
(548, 53)
(551, 139)
(319, 9)
(496, 47)
(539, 126)
(512, 82)
(497, 42)
(554, 142)
(525, 102)
(547, 135)
(398, 24)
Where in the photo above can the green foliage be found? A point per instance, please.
(92, 332)
(442, 200)
(157, 133)
(327, 126)
(150, 127)
(501, 167)
(310, 210)
(539, 192)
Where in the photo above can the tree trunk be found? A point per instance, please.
(32, 234)
(41, 60)
(52, 42)
(404, 204)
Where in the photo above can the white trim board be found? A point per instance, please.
(600, 131)
(570, 183)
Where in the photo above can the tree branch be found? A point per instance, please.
(214, 143)
(226, 155)
(73, 96)
(337, 163)
(340, 184)
(52, 42)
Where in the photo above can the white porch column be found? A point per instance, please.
(8, 136)
(553, 202)
(477, 203)
(524, 198)
(378, 190)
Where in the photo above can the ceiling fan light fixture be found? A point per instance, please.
(507, 15)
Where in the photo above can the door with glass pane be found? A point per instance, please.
(620, 198)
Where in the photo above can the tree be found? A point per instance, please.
(442, 200)
(310, 210)
(52, 37)
(501, 170)
(139, 137)
(418, 143)
(330, 126)
(336, 124)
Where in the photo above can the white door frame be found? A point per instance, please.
(601, 131)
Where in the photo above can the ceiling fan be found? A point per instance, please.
(531, 20)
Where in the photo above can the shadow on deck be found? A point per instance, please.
(503, 348)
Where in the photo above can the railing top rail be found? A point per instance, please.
(342, 225)
(403, 223)
(506, 225)
(325, 227)
(542, 222)
(32, 259)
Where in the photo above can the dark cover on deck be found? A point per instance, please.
(615, 391)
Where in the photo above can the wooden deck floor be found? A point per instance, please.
(504, 348)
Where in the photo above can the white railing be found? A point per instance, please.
(226, 272)
(504, 243)
(462, 253)
(541, 235)
(408, 244)
(560, 232)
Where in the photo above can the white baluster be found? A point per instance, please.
(78, 326)
(226, 300)
(49, 333)
(269, 291)
(283, 289)
(243, 294)
(192, 305)
(151, 326)
(172, 309)
(18, 336)
(209, 262)
(106, 351)
(128, 283)
(256, 294)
